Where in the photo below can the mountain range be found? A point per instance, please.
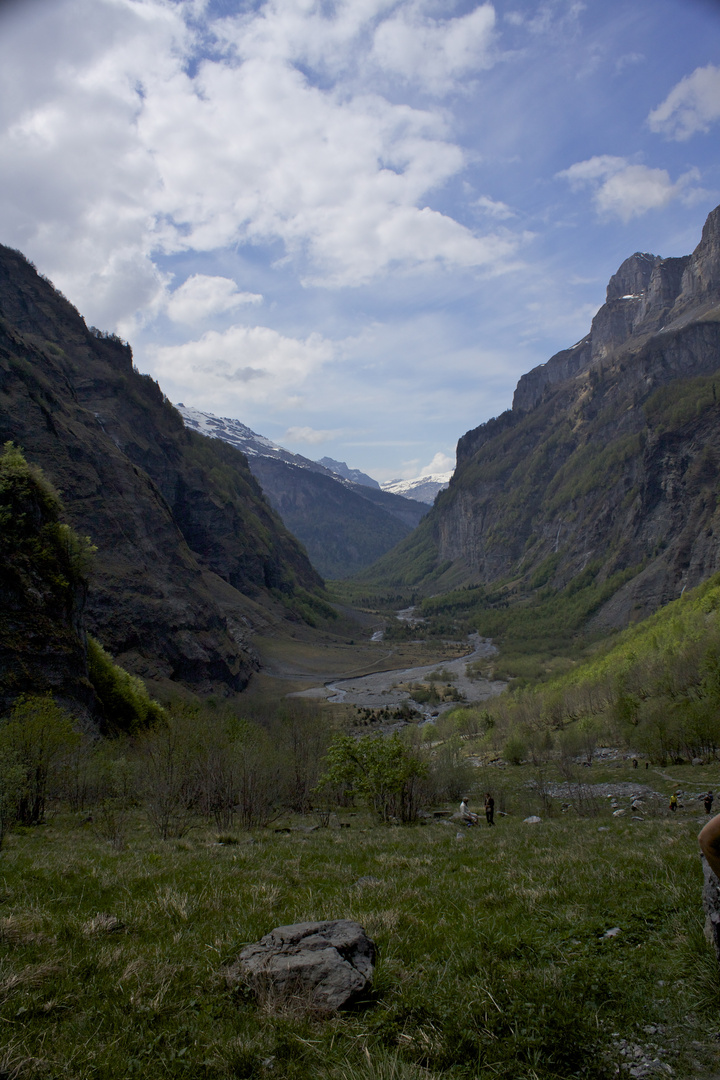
(605, 470)
(342, 517)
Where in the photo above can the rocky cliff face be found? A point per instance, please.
(608, 461)
(185, 537)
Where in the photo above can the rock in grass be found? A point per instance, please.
(313, 966)
(532, 820)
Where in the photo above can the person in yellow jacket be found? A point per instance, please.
(673, 802)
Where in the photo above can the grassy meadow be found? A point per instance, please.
(493, 959)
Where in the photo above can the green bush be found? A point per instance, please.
(383, 771)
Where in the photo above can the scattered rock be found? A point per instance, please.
(604, 828)
(613, 932)
(311, 966)
(533, 820)
(460, 836)
(368, 880)
(618, 813)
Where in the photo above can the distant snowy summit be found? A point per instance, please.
(422, 488)
(232, 431)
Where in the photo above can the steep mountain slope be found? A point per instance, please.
(607, 465)
(344, 525)
(187, 545)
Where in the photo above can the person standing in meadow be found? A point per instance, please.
(708, 801)
(467, 813)
(673, 802)
(489, 809)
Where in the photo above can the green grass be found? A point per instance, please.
(492, 956)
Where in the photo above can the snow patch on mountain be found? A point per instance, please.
(422, 488)
(229, 430)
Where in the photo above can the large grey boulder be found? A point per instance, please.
(313, 965)
(711, 906)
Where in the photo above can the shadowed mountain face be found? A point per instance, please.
(608, 460)
(343, 524)
(189, 551)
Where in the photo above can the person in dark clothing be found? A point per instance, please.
(708, 801)
(489, 809)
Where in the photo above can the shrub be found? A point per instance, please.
(384, 771)
(35, 736)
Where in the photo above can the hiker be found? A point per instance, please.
(708, 801)
(635, 763)
(673, 802)
(709, 840)
(489, 809)
(468, 816)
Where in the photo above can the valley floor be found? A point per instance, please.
(389, 688)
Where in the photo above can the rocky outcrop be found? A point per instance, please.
(312, 966)
(186, 542)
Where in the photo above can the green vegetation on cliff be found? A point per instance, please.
(44, 567)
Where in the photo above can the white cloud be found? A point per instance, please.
(311, 436)
(625, 190)
(203, 295)
(494, 208)
(119, 141)
(693, 105)
(419, 48)
(242, 364)
(441, 463)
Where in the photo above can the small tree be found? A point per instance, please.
(169, 774)
(37, 735)
(384, 771)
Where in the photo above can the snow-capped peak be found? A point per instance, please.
(423, 488)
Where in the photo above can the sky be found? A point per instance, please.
(353, 224)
